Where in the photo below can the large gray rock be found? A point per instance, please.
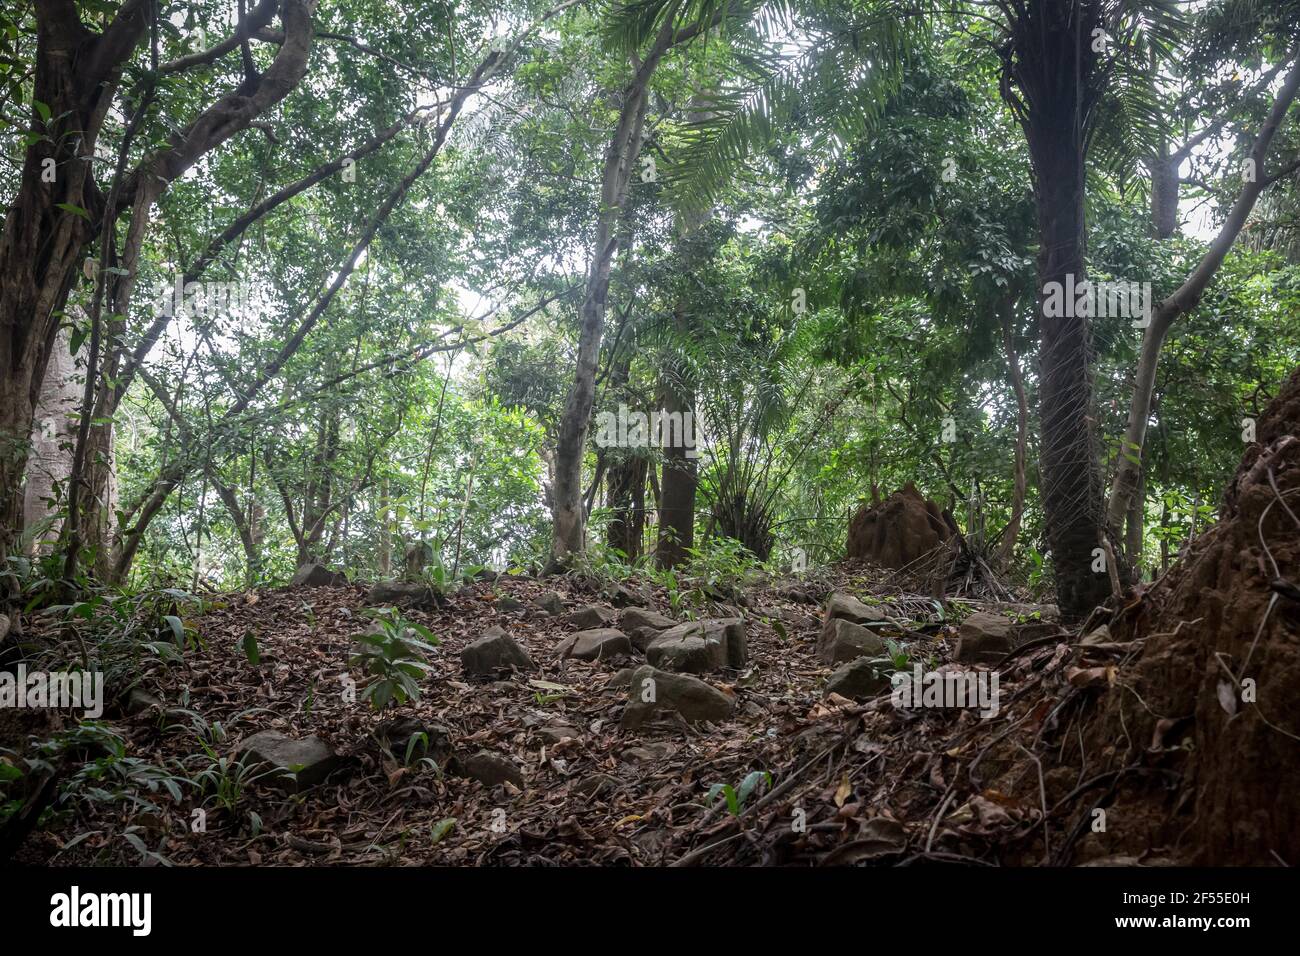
(845, 641)
(642, 626)
(984, 638)
(403, 594)
(857, 680)
(597, 644)
(590, 616)
(494, 652)
(295, 764)
(698, 647)
(843, 607)
(849, 608)
(491, 769)
(315, 575)
(653, 691)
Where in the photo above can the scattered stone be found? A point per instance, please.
(846, 606)
(1035, 630)
(140, 701)
(642, 626)
(651, 753)
(985, 638)
(309, 760)
(1100, 635)
(396, 736)
(621, 596)
(551, 602)
(494, 652)
(653, 690)
(491, 769)
(316, 575)
(857, 680)
(597, 644)
(1051, 613)
(509, 605)
(841, 640)
(596, 785)
(555, 732)
(622, 678)
(590, 616)
(697, 647)
(403, 594)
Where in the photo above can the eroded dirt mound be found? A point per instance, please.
(899, 531)
(1214, 693)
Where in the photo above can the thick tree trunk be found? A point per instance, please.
(53, 433)
(626, 488)
(1164, 192)
(1052, 63)
(1071, 477)
(42, 245)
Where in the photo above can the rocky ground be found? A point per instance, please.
(544, 747)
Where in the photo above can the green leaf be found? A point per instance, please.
(250, 649)
(441, 829)
(75, 210)
(178, 628)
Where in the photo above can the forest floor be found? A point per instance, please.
(840, 781)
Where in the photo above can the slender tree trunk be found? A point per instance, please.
(1012, 531)
(679, 482)
(1186, 298)
(386, 531)
(681, 478)
(569, 530)
(1136, 528)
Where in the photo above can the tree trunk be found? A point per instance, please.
(1136, 528)
(626, 486)
(1012, 531)
(679, 482)
(568, 513)
(1186, 298)
(1164, 192)
(386, 531)
(1053, 65)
